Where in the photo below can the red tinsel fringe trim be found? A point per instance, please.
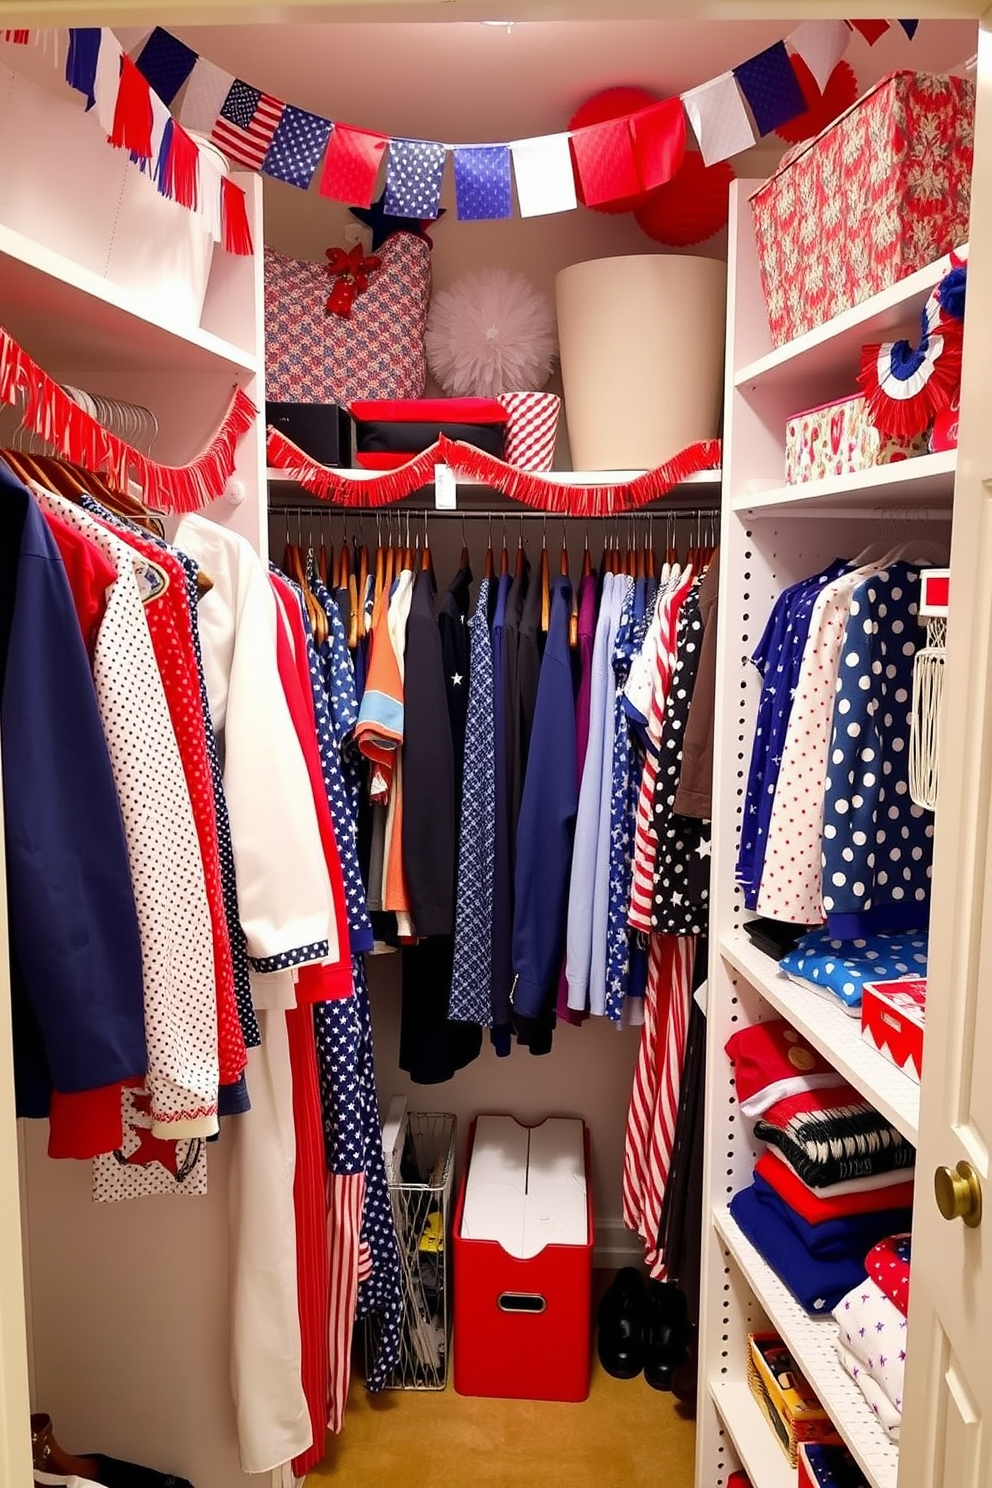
(79, 438)
(234, 219)
(904, 418)
(133, 112)
(182, 169)
(540, 491)
(17, 38)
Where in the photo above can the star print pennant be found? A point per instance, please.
(719, 119)
(351, 165)
(203, 100)
(604, 160)
(821, 44)
(296, 147)
(482, 182)
(414, 173)
(658, 135)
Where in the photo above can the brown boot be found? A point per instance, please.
(49, 1456)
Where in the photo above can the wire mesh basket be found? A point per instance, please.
(421, 1201)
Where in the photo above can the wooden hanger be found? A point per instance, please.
(295, 566)
(426, 562)
(521, 555)
(586, 557)
(504, 557)
(463, 556)
(545, 580)
(649, 560)
(488, 570)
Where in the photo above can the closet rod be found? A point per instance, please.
(464, 514)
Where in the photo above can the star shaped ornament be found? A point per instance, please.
(383, 224)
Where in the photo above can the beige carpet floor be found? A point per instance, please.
(626, 1435)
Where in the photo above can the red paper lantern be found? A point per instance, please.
(823, 108)
(691, 207)
(612, 103)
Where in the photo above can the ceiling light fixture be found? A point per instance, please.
(508, 24)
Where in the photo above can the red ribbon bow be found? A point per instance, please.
(350, 272)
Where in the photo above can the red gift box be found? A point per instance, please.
(881, 192)
(893, 1019)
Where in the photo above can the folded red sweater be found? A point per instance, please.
(815, 1207)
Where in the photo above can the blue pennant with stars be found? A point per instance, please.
(413, 178)
(482, 182)
(297, 145)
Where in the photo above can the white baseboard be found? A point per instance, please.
(615, 1245)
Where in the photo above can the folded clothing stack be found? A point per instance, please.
(835, 1177)
(871, 1339)
(840, 968)
(389, 433)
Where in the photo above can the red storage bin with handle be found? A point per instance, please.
(523, 1301)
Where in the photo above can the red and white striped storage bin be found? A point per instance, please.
(532, 429)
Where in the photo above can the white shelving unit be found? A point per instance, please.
(772, 536)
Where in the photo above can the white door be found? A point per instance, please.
(947, 1425)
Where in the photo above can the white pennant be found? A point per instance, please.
(543, 169)
(821, 44)
(107, 83)
(203, 100)
(719, 119)
(209, 199)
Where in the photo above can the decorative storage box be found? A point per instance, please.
(893, 1019)
(882, 191)
(838, 439)
(828, 1467)
(785, 1397)
(523, 1262)
(322, 430)
(388, 433)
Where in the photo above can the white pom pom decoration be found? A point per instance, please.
(491, 332)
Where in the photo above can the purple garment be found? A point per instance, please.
(588, 586)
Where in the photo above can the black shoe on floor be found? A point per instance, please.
(620, 1341)
(666, 1333)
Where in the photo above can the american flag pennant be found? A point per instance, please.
(165, 62)
(414, 173)
(771, 88)
(296, 147)
(719, 119)
(544, 174)
(821, 44)
(206, 90)
(351, 165)
(483, 191)
(658, 135)
(246, 124)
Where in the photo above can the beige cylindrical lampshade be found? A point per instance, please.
(641, 342)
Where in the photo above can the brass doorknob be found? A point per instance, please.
(959, 1194)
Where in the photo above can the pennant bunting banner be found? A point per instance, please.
(604, 160)
(209, 203)
(719, 119)
(204, 97)
(81, 60)
(872, 31)
(658, 136)
(770, 87)
(162, 125)
(821, 44)
(414, 172)
(909, 27)
(246, 124)
(351, 165)
(296, 148)
(107, 80)
(165, 62)
(182, 174)
(543, 170)
(483, 191)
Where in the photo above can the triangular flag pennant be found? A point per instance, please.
(719, 119)
(351, 165)
(483, 192)
(658, 135)
(821, 44)
(910, 28)
(166, 63)
(81, 60)
(296, 147)
(545, 179)
(203, 100)
(107, 82)
(414, 173)
(870, 30)
(770, 87)
(604, 162)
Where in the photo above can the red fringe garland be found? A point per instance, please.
(904, 418)
(182, 169)
(539, 491)
(79, 438)
(133, 112)
(17, 38)
(234, 217)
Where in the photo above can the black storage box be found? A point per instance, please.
(322, 430)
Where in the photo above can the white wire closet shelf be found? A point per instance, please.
(833, 1032)
(811, 1343)
(755, 1443)
(926, 480)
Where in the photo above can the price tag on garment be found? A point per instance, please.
(445, 488)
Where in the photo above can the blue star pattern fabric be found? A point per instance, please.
(165, 63)
(623, 809)
(482, 182)
(380, 1296)
(414, 172)
(297, 145)
(470, 1000)
(771, 88)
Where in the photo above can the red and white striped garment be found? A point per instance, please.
(345, 1203)
(654, 1100)
(645, 837)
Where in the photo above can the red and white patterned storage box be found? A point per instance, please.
(838, 439)
(881, 192)
(893, 1020)
(532, 429)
